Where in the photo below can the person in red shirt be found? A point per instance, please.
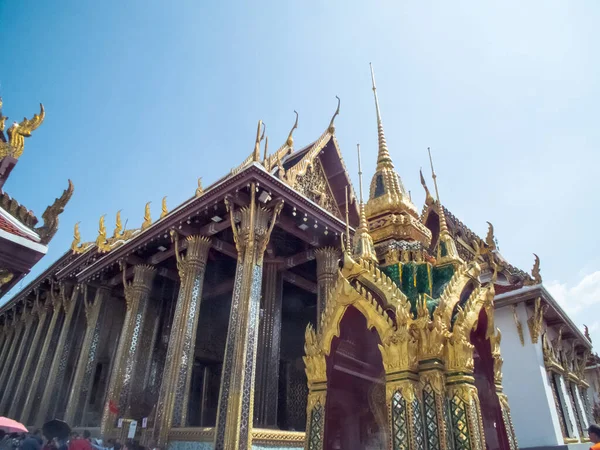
(594, 433)
(78, 443)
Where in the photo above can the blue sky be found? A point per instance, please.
(143, 97)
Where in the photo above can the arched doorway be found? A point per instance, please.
(356, 412)
(491, 411)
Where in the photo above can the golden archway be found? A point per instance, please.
(426, 351)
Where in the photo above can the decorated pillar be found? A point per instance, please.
(327, 268)
(10, 326)
(432, 379)
(33, 355)
(403, 396)
(58, 367)
(236, 396)
(269, 342)
(465, 412)
(42, 365)
(86, 363)
(7, 330)
(15, 346)
(316, 374)
(136, 295)
(172, 406)
(15, 374)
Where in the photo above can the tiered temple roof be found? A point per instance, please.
(22, 243)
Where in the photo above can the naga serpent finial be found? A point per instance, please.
(147, 217)
(50, 215)
(199, 189)
(164, 211)
(17, 133)
(337, 111)
(259, 138)
(290, 139)
(428, 197)
(76, 238)
(535, 272)
(489, 239)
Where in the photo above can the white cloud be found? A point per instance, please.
(574, 299)
(581, 301)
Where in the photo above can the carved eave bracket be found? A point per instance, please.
(536, 321)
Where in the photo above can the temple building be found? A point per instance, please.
(277, 308)
(22, 243)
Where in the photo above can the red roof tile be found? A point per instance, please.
(10, 228)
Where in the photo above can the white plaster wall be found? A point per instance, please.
(526, 384)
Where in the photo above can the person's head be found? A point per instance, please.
(74, 435)
(2, 434)
(594, 433)
(86, 434)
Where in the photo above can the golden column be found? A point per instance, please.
(172, 406)
(86, 363)
(28, 367)
(63, 348)
(269, 342)
(236, 396)
(14, 348)
(403, 396)
(316, 374)
(465, 411)
(327, 269)
(42, 365)
(136, 296)
(432, 380)
(16, 374)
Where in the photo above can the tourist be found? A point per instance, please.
(5, 441)
(37, 435)
(30, 443)
(78, 443)
(594, 433)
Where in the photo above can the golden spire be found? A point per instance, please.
(164, 211)
(147, 217)
(101, 239)
(118, 226)
(446, 251)
(199, 189)
(388, 198)
(383, 155)
(363, 243)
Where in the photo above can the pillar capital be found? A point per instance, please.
(327, 260)
(196, 255)
(255, 226)
(143, 275)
